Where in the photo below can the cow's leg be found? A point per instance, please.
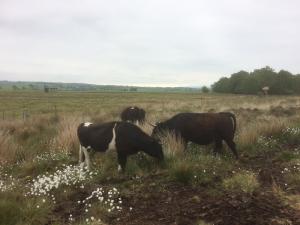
(232, 146)
(185, 144)
(218, 146)
(87, 158)
(80, 154)
(122, 159)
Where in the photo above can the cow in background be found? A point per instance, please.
(134, 115)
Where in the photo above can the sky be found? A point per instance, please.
(146, 42)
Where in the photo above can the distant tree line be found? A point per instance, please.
(244, 82)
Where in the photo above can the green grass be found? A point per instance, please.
(241, 182)
(28, 211)
(52, 132)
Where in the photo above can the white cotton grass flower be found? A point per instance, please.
(69, 175)
(51, 156)
(110, 199)
(7, 182)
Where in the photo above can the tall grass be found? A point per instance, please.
(66, 139)
(268, 127)
(173, 145)
(242, 181)
(8, 148)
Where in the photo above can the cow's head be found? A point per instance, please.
(157, 151)
(158, 129)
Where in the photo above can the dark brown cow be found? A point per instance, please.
(202, 128)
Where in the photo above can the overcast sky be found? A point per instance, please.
(146, 42)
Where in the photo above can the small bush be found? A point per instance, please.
(241, 182)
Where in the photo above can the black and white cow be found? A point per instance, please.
(124, 137)
(134, 115)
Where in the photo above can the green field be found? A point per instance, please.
(41, 183)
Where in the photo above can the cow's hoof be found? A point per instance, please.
(81, 165)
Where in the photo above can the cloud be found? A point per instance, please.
(145, 42)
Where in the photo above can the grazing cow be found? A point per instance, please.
(125, 138)
(202, 128)
(134, 115)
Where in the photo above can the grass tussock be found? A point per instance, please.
(8, 148)
(173, 145)
(66, 139)
(241, 182)
(250, 134)
(182, 171)
(198, 168)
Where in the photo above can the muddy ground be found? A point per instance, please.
(156, 200)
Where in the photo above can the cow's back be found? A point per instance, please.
(96, 136)
(201, 128)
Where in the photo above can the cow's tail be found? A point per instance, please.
(232, 116)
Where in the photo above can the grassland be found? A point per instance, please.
(40, 182)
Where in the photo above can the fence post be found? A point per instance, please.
(55, 111)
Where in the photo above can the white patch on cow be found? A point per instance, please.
(87, 158)
(86, 124)
(131, 107)
(80, 154)
(119, 168)
(112, 143)
(137, 123)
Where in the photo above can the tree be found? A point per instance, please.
(243, 82)
(204, 89)
(133, 89)
(222, 86)
(236, 80)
